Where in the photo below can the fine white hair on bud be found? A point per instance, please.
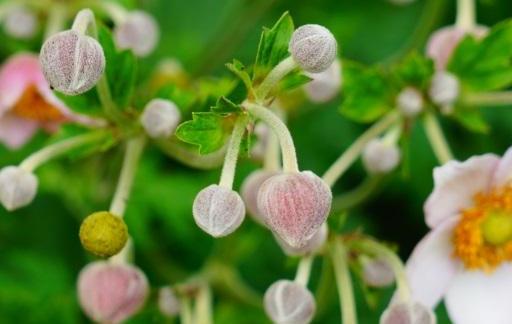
(314, 244)
(444, 88)
(313, 47)
(168, 303)
(410, 102)
(407, 313)
(378, 273)
(160, 118)
(218, 211)
(288, 302)
(18, 187)
(325, 85)
(380, 157)
(138, 32)
(20, 22)
(72, 63)
(249, 192)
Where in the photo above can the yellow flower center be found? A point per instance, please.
(32, 106)
(483, 236)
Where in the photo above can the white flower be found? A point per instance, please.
(138, 32)
(17, 187)
(444, 88)
(160, 118)
(20, 22)
(380, 157)
(410, 102)
(325, 85)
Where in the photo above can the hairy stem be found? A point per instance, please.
(272, 160)
(356, 196)
(304, 270)
(499, 98)
(186, 311)
(228, 170)
(181, 153)
(203, 308)
(466, 16)
(437, 139)
(281, 70)
(339, 255)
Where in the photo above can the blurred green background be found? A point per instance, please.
(40, 254)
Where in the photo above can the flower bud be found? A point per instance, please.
(295, 205)
(287, 302)
(103, 234)
(18, 187)
(444, 88)
(407, 313)
(168, 303)
(20, 22)
(72, 63)
(160, 118)
(138, 32)
(410, 102)
(250, 189)
(380, 157)
(314, 244)
(313, 47)
(378, 273)
(325, 85)
(218, 211)
(111, 293)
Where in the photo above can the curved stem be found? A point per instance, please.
(278, 72)
(186, 311)
(342, 164)
(356, 196)
(125, 255)
(272, 160)
(114, 10)
(436, 138)
(285, 138)
(85, 23)
(339, 255)
(466, 17)
(499, 98)
(179, 152)
(228, 170)
(203, 307)
(304, 270)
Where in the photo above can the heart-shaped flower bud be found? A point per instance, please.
(380, 157)
(325, 85)
(377, 273)
(168, 303)
(18, 187)
(103, 234)
(410, 102)
(313, 47)
(138, 32)
(444, 88)
(314, 244)
(250, 189)
(408, 313)
(111, 293)
(160, 118)
(20, 22)
(295, 205)
(218, 211)
(287, 302)
(72, 63)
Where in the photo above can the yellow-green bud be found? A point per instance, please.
(103, 234)
(497, 228)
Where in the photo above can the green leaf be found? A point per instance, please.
(184, 99)
(239, 70)
(416, 70)
(226, 106)
(472, 120)
(293, 81)
(69, 131)
(87, 103)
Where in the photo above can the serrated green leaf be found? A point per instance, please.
(206, 130)
(239, 70)
(472, 120)
(416, 70)
(293, 81)
(226, 106)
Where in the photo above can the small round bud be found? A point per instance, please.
(444, 88)
(20, 22)
(378, 273)
(295, 205)
(138, 32)
(111, 293)
(410, 102)
(380, 157)
(218, 211)
(314, 244)
(168, 303)
(250, 189)
(325, 85)
(160, 118)
(313, 47)
(287, 302)
(18, 187)
(72, 63)
(103, 234)
(407, 313)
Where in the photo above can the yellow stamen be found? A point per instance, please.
(32, 106)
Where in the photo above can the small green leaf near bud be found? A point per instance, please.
(206, 130)
(103, 234)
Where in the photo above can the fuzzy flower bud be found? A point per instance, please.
(313, 47)
(249, 191)
(138, 32)
(325, 85)
(103, 234)
(168, 303)
(17, 187)
(160, 118)
(20, 22)
(111, 293)
(295, 205)
(410, 102)
(287, 302)
(378, 273)
(408, 313)
(312, 245)
(218, 211)
(444, 88)
(380, 157)
(72, 63)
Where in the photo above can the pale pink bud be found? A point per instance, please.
(410, 102)
(380, 157)
(408, 313)
(18, 187)
(20, 22)
(444, 88)
(378, 273)
(160, 118)
(168, 303)
(295, 205)
(314, 244)
(287, 302)
(72, 63)
(250, 189)
(111, 293)
(325, 85)
(138, 32)
(313, 47)
(218, 211)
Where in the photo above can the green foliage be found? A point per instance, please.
(226, 106)
(87, 103)
(471, 119)
(415, 70)
(183, 98)
(240, 70)
(105, 141)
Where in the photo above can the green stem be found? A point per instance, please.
(272, 160)
(186, 311)
(228, 170)
(203, 308)
(339, 256)
(466, 16)
(437, 139)
(278, 72)
(56, 19)
(304, 270)
(85, 23)
(181, 153)
(109, 106)
(353, 198)
(500, 98)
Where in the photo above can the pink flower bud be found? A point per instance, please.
(160, 118)
(313, 47)
(72, 63)
(295, 205)
(20, 22)
(250, 189)
(288, 302)
(314, 244)
(218, 211)
(444, 88)
(168, 303)
(138, 32)
(410, 102)
(408, 313)
(17, 187)
(378, 273)
(380, 157)
(325, 85)
(111, 293)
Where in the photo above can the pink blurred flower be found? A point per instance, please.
(466, 257)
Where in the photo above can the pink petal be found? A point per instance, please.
(15, 132)
(503, 174)
(431, 266)
(455, 184)
(476, 297)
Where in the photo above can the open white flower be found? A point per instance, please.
(466, 257)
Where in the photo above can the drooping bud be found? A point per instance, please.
(410, 102)
(168, 303)
(103, 234)
(111, 293)
(380, 157)
(407, 313)
(18, 187)
(325, 85)
(20, 22)
(377, 273)
(138, 32)
(218, 211)
(250, 189)
(295, 205)
(160, 118)
(444, 88)
(314, 244)
(72, 63)
(288, 302)
(313, 47)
